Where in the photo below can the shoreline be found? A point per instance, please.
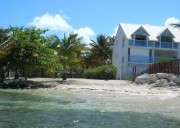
(118, 86)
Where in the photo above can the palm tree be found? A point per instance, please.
(177, 25)
(101, 49)
(69, 50)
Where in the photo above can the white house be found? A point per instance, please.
(141, 45)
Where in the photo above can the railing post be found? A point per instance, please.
(134, 73)
(171, 67)
(178, 67)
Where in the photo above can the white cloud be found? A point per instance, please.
(85, 33)
(59, 22)
(52, 22)
(171, 20)
(115, 31)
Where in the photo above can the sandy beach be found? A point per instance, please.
(118, 86)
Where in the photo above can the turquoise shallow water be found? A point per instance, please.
(86, 109)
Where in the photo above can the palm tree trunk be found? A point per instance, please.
(8, 72)
(25, 74)
(2, 77)
(16, 74)
(64, 72)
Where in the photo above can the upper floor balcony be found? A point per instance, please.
(155, 44)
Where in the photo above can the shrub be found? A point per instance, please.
(164, 59)
(102, 72)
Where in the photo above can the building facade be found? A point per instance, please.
(141, 45)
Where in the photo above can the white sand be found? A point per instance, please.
(119, 86)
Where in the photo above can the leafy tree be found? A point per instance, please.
(30, 51)
(4, 50)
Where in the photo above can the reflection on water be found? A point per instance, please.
(76, 109)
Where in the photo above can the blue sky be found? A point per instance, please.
(88, 18)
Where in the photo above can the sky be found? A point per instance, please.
(87, 18)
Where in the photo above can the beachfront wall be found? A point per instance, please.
(142, 45)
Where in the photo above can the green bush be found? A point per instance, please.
(164, 59)
(102, 72)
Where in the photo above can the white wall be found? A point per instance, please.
(118, 51)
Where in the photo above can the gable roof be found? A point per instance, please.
(166, 32)
(140, 30)
(153, 31)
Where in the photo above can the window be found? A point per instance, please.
(123, 42)
(166, 39)
(140, 37)
(122, 59)
(150, 52)
(128, 51)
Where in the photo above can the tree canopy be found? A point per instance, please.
(24, 49)
(69, 50)
(28, 50)
(99, 51)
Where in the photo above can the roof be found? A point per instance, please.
(167, 32)
(153, 31)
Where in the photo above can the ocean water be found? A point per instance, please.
(86, 109)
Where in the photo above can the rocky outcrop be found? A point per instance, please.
(22, 84)
(152, 79)
(143, 79)
(158, 80)
(11, 83)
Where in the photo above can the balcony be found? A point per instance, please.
(141, 43)
(144, 59)
(155, 44)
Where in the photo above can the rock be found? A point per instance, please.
(171, 77)
(161, 83)
(177, 79)
(17, 83)
(152, 78)
(162, 75)
(8, 81)
(143, 79)
(172, 83)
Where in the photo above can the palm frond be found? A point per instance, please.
(175, 25)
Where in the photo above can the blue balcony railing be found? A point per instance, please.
(175, 45)
(142, 43)
(166, 44)
(131, 42)
(156, 44)
(150, 43)
(140, 59)
(144, 59)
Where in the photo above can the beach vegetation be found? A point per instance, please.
(69, 50)
(164, 59)
(99, 51)
(102, 72)
(29, 50)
